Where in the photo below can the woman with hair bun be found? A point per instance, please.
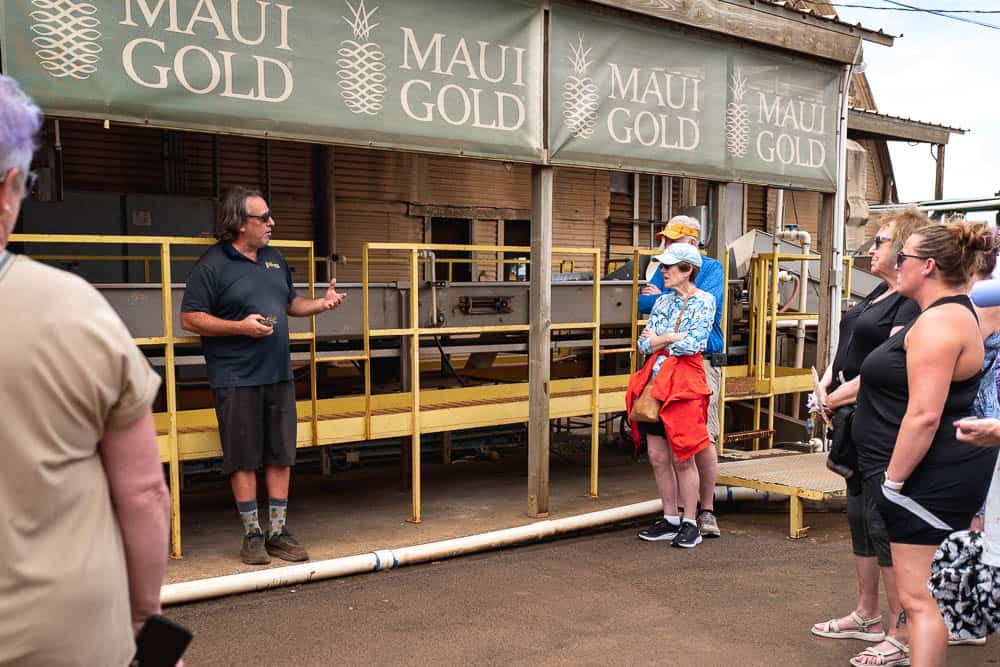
(913, 388)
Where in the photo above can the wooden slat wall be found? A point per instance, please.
(484, 232)
(196, 164)
(801, 208)
(119, 159)
(294, 190)
(371, 192)
(756, 207)
(581, 206)
(463, 182)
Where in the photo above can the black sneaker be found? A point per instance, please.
(688, 536)
(286, 547)
(253, 551)
(660, 531)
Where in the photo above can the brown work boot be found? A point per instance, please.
(253, 551)
(286, 547)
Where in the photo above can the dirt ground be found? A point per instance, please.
(606, 598)
(365, 509)
(603, 598)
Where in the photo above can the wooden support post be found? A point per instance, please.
(827, 280)
(325, 464)
(635, 210)
(446, 447)
(689, 192)
(539, 341)
(939, 176)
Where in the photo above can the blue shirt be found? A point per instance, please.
(710, 279)
(231, 286)
(696, 321)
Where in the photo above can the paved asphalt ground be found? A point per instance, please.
(605, 598)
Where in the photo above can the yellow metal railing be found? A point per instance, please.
(169, 339)
(415, 330)
(762, 362)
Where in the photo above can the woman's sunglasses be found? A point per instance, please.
(879, 240)
(902, 257)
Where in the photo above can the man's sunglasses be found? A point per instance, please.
(263, 217)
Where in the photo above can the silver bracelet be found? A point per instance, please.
(893, 486)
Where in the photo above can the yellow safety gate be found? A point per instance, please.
(200, 427)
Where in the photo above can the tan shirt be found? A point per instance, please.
(69, 372)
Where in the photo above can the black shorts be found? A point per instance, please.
(653, 428)
(936, 501)
(257, 426)
(869, 536)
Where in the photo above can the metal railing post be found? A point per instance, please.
(415, 383)
(725, 348)
(366, 328)
(772, 310)
(313, 366)
(171, 382)
(595, 360)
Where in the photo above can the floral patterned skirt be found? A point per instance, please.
(966, 589)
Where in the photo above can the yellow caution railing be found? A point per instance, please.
(169, 339)
(415, 330)
(763, 378)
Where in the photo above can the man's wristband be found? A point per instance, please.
(893, 486)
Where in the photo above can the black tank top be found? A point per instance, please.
(882, 399)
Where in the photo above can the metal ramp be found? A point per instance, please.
(796, 475)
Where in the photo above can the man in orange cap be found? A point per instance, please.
(685, 229)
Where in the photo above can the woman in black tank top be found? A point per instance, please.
(913, 387)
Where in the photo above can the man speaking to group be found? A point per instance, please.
(238, 299)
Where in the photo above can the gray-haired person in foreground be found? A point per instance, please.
(86, 510)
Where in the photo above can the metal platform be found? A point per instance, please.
(796, 475)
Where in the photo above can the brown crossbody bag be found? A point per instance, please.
(646, 407)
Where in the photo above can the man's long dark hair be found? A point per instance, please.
(233, 213)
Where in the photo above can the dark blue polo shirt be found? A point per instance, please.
(227, 284)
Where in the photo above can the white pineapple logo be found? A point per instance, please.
(580, 101)
(66, 37)
(362, 70)
(737, 116)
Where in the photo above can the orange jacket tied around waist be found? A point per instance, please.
(680, 384)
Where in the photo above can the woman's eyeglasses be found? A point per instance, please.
(30, 181)
(902, 256)
(879, 240)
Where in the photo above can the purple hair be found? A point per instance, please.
(20, 120)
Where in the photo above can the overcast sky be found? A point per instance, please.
(939, 71)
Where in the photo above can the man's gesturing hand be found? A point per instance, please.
(333, 297)
(255, 326)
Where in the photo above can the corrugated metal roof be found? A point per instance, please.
(827, 13)
(954, 130)
(797, 10)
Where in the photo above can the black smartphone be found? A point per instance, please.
(161, 643)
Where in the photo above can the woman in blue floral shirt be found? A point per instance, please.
(676, 333)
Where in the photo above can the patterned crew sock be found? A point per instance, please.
(248, 515)
(279, 507)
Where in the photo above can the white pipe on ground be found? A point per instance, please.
(387, 559)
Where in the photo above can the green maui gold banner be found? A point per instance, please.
(449, 76)
(635, 97)
(439, 75)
